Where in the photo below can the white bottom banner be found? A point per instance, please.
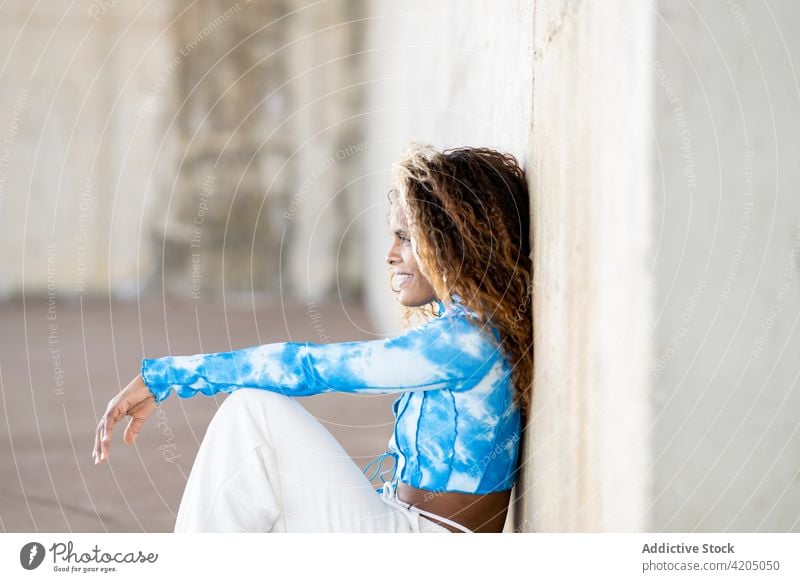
(354, 557)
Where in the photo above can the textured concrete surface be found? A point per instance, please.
(592, 308)
(61, 363)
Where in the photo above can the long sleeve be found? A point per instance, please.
(447, 352)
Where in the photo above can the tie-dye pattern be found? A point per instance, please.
(457, 427)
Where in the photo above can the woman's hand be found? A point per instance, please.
(135, 401)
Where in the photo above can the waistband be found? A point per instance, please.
(389, 494)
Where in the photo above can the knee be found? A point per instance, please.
(257, 405)
(250, 398)
(260, 414)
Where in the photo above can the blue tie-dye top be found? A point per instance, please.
(457, 426)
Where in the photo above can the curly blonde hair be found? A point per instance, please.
(467, 209)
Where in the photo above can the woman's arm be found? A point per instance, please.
(447, 352)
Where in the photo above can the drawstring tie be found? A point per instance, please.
(378, 473)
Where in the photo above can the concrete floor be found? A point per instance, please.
(59, 366)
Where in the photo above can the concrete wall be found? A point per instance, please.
(726, 121)
(592, 300)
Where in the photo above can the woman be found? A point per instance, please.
(461, 256)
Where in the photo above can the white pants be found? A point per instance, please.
(267, 465)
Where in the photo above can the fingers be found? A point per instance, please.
(98, 453)
(132, 430)
(109, 420)
(96, 444)
(105, 438)
(139, 415)
(102, 440)
(117, 409)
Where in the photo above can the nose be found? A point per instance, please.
(393, 255)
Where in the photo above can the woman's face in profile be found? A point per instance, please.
(414, 287)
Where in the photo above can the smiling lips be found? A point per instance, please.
(403, 278)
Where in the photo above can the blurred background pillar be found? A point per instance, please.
(77, 152)
(190, 147)
(266, 140)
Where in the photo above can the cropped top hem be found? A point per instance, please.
(438, 491)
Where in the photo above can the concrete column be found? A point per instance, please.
(586, 452)
(322, 221)
(266, 145)
(218, 194)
